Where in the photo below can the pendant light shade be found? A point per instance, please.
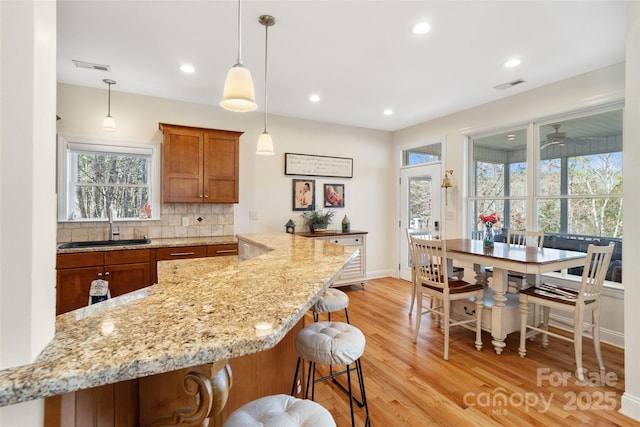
(108, 123)
(239, 94)
(265, 143)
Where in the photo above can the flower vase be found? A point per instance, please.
(488, 235)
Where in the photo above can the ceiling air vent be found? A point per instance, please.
(507, 85)
(91, 66)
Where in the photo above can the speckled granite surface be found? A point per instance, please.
(158, 243)
(202, 310)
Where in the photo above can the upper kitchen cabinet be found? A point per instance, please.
(199, 165)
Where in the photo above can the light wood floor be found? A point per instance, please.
(410, 384)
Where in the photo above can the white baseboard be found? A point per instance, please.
(381, 273)
(630, 406)
(607, 336)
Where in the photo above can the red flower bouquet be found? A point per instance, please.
(492, 218)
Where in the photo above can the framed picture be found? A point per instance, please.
(304, 194)
(310, 165)
(334, 195)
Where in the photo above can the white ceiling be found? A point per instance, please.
(360, 56)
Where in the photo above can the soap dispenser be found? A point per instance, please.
(346, 225)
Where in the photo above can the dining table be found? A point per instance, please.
(503, 258)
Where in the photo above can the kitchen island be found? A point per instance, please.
(201, 311)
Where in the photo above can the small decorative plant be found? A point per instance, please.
(318, 219)
(488, 221)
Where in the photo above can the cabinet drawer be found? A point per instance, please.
(126, 257)
(85, 259)
(347, 241)
(222, 250)
(182, 252)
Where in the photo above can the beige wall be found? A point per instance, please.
(582, 92)
(631, 272)
(263, 186)
(27, 194)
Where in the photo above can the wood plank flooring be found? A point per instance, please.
(410, 384)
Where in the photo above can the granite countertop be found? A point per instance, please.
(202, 310)
(156, 243)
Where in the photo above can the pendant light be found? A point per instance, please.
(265, 143)
(238, 94)
(109, 123)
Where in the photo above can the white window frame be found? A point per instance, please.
(65, 184)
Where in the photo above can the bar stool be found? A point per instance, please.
(331, 301)
(278, 411)
(332, 343)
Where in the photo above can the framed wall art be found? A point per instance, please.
(304, 194)
(334, 195)
(309, 165)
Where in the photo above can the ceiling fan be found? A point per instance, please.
(555, 138)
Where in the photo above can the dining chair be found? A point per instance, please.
(457, 272)
(579, 303)
(434, 281)
(522, 238)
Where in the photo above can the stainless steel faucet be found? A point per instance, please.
(112, 233)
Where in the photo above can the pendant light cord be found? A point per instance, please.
(266, 46)
(239, 31)
(109, 101)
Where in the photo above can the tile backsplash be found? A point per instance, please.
(215, 220)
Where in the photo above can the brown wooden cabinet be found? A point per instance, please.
(126, 271)
(199, 165)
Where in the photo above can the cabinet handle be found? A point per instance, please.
(106, 273)
(206, 196)
(182, 253)
(99, 274)
(201, 196)
(357, 240)
(227, 251)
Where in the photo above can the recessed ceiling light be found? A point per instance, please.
(388, 112)
(512, 63)
(314, 98)
(421, 28)
(187, 68)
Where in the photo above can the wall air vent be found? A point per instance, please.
(507, 85)
(91, 66)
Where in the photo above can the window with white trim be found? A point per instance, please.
(95, 176)
(562, 176)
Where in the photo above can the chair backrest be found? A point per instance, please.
(525, 238)
(432, 268)
(421, 233)
(595, 270)
(477, 234)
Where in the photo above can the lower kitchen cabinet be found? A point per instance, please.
(126, 271)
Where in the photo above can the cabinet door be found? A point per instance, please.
(73, 287)
(125, 278)
(221, 162)
(182, 164)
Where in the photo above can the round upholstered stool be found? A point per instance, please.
(331, 301)
(332, 343)
(280, 411)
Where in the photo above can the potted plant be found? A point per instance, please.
(318, 219)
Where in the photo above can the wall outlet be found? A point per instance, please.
(253, 215)
(185, 221)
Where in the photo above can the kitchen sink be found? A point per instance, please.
(103, 243)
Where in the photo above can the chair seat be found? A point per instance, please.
(553, 293)
(332, 300)
(280, 411)
(457, 287)
(330, 343)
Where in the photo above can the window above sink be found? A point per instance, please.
(96, 175)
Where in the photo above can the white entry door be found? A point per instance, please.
(420, 207)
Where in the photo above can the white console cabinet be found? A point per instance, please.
(356, 271)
